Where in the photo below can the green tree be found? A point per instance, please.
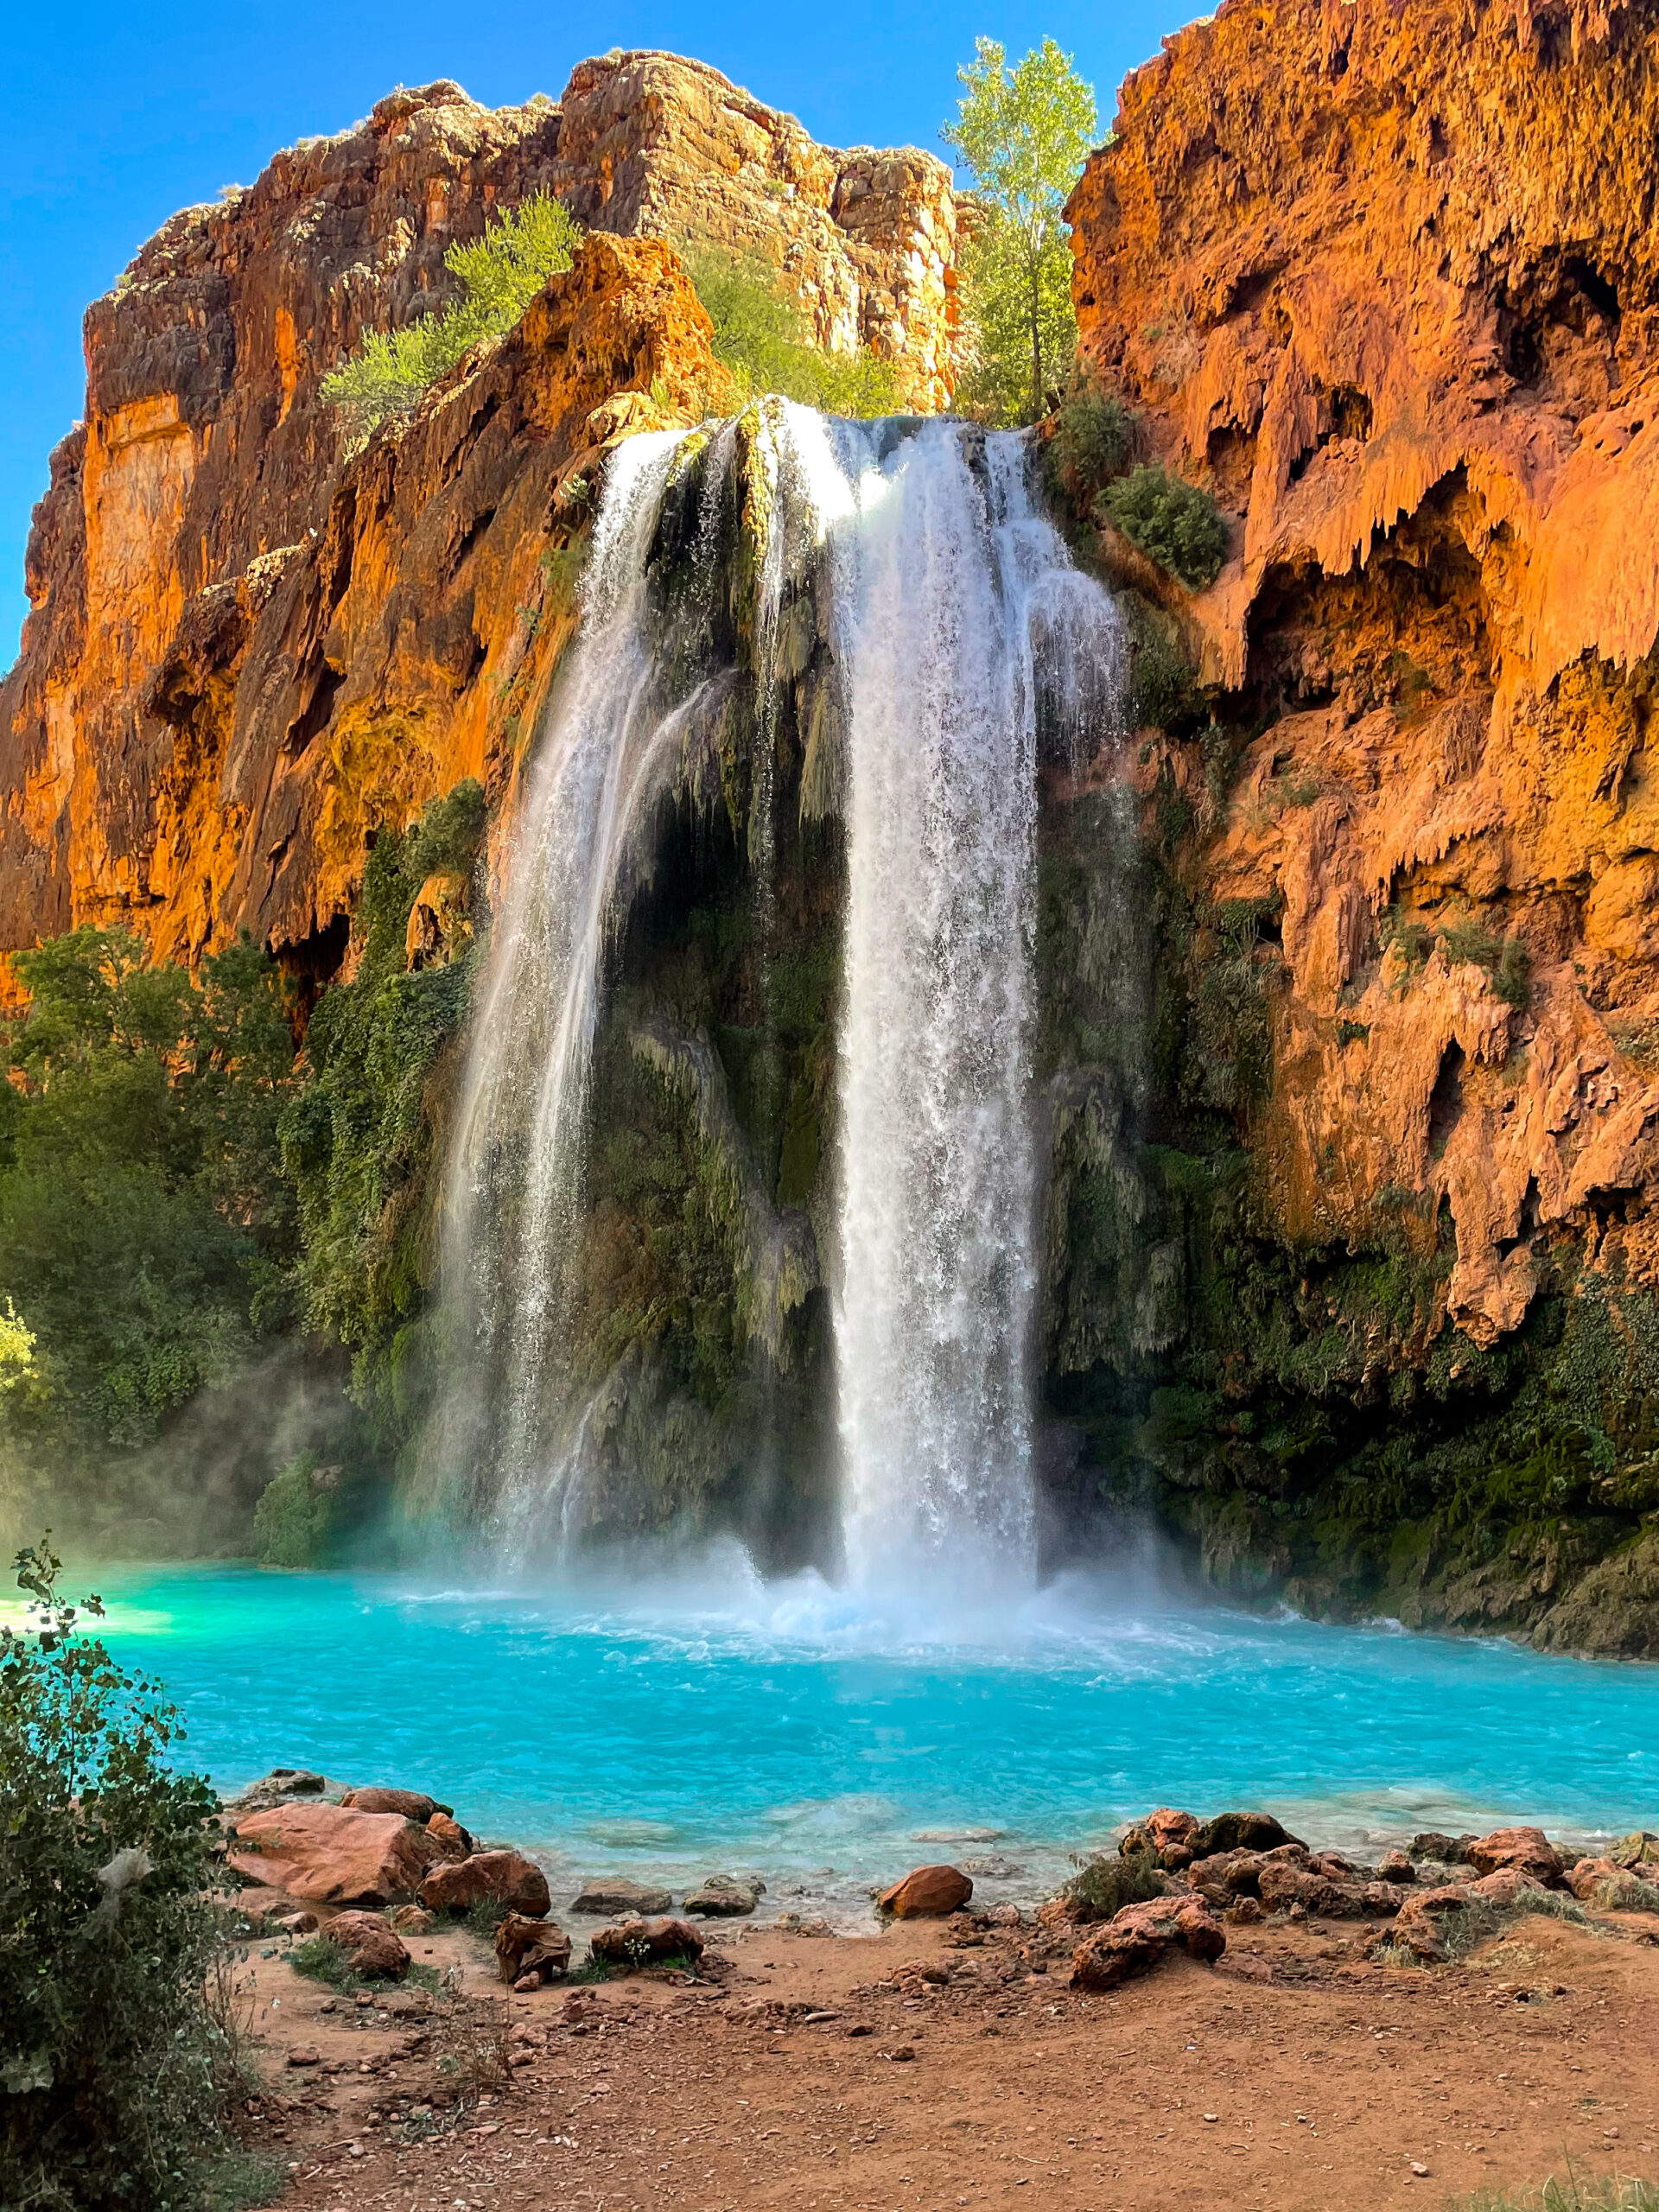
(760, 336)
(143, 1211)
(499, 274)
(1023, 133)
(113, 2070)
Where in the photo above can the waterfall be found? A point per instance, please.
(517, 1163)
(961, 643)
(964, 630)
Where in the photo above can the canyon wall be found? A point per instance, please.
(1385, 279)
(247, 651)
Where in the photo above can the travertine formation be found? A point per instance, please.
(244, 654)
(1387, 280)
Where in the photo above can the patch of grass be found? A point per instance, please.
(1174, 523)
(1569, 2192)
(319, 1958)
(593, 1969)
(242, 2181)
(1103, 1886)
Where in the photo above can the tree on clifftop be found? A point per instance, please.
(1024, 133)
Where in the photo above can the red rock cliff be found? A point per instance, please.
(1386, 278)
(245, 653)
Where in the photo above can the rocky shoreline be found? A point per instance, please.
(372, 1868)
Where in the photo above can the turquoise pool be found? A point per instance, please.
(708, 1720)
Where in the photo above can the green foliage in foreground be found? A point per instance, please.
(144, 1225)
(113, 2070)
(1094, 436)
(1171, 522)
(499, 274)
(1024, 133)
(359, 1140)
(760, 336)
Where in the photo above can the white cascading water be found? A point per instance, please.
(962, 633)
(517, 1173)
(960, 623)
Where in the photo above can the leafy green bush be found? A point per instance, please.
(113, 2070)
(358, 1141)
(296, 1518)
(1163, 691)
(1103, 1886)
(1094, 435)
(145, 1231)
(499, 274)
(760, 335)
(1171, 522)
(319, 1958)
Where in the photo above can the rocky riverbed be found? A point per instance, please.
(1215, 2014)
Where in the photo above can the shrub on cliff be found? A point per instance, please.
(142, 1216)
(1171, 522)
(760, 336)
(1094, 435)
(499, 274)
(112, 2069)
(1024, 133)
(359, 1140)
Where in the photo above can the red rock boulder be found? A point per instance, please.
(413, 1804)
(1137, 1939)
(926, 1893)
(334, 1855)
(503, 1877)
(525, 1946)
(449, 1834)
(645, 1942)
(372, 1945)
(1420, 1926)
(1529, 1851)
(1609, 1887)
(1282, 1885)
(1507, 1886)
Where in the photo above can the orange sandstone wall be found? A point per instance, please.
(1385, 278)
(244, 652)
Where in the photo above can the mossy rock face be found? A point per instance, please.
(1301, 1422)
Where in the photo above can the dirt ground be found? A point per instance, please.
(824, 2071)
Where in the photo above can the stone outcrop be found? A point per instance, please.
(507, 1878)
(1137, 1938)
(246, 654)
(332, 1854)
(1382, 279)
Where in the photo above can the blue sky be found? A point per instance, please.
(119, 115)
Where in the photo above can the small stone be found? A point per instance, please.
(1212, 2116)
(1420, 2170)
(303, 2055)
(298, 1923)
(413, 1804)
(372, 1945)
(615, 1895)
(1525, 1850)
(724, 1895)
(927, 1892)
(447, 1830)
(901, 2054)
(411, 1920)
(1395, 1866)
(530, 1951)
(643, 1943)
